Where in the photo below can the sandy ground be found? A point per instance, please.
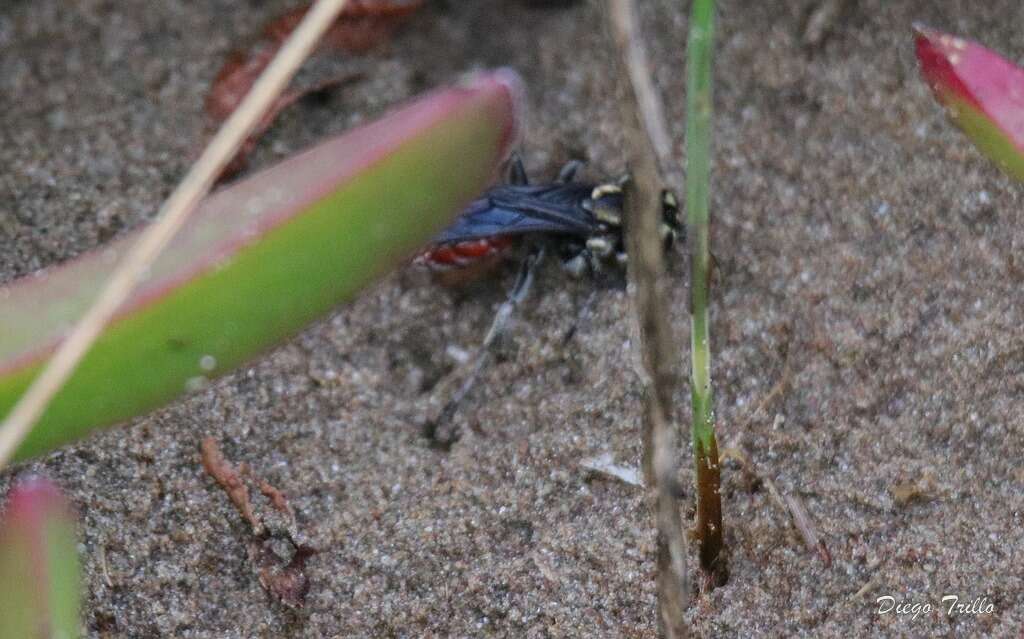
(867, 256)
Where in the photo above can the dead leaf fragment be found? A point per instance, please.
(281, 574)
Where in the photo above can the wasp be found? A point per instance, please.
(581, 222)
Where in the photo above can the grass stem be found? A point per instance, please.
(699, 111)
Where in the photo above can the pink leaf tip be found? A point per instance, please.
(982, 92)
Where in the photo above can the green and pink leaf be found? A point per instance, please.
(983, 94)
(39, 578)
(258, 260)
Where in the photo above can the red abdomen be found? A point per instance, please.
(463, 254)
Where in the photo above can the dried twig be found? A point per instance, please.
(777, 390)
(870, 584)
(648, 105)
(806, 528)
(241, 158)
(276, 497)
(790, 504)
(283, 577)
(230, 480)
(821, 21)
(104, 568)
(642, 112)
(171, 217)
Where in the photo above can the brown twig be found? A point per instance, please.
(648, 105)
(285, 581)
(241, 158)
(775, 391)
(276, 497)
(807, 530)
(230, 480)
(644, 126)
(104, 568)
(822, 20)
(790, 504)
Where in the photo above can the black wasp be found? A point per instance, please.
(582, 222)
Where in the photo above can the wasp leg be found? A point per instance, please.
(582, 313)
(568, 171)
(516, 170)
(440, 431)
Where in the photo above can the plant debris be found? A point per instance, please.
(822, 21)
(362, 25)
(906, 493)
(790, 503)
(604, 464)
(279, 566)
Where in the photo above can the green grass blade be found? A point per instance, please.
(698, 178)
(258, 261)
(699, 110)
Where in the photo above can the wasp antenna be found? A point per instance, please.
(568, 172)
(516, 170)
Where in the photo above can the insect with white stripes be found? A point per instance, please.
(580, 222)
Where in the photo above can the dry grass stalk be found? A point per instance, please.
(649, 151)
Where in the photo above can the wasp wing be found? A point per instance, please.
(519, 210)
